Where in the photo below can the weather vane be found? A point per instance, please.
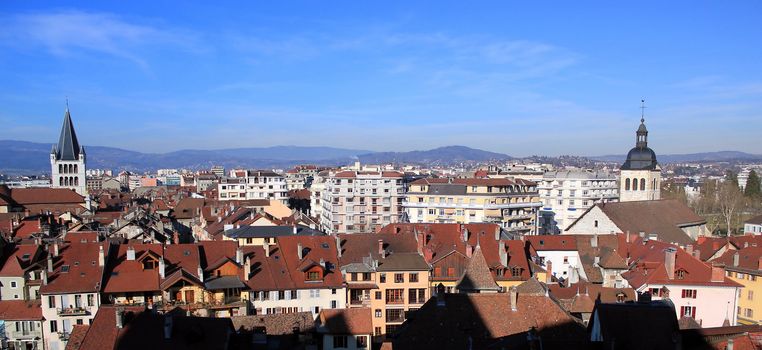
(642, 110)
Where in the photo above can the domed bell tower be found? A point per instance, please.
(640, 176)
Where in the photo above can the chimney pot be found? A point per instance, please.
(736, 258)
(513, 298)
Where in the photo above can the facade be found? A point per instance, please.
(349, 329)
(67, 160)
(361, 201)
(316, 192)
(254, 184)
(21, 275)
(511, 203)
(71, 287)
(640, 176)
(567, 194)
(753, 225)
(744, 266)
(21, 325)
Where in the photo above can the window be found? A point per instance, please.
(382, 278)
(377, 331)
(642, 184)
(339, 341)
(680, 274)
(378, 295)
(627, 184)
(13, 284)
(437, 271)
(399, 278)
(750, 296)
(413, 277)
(620, 297)
(596, 223)
(362, 342)
(566, 260)
(366, 276)
(281, 295)
(749, 313)
(515, 271)
(378, 313)
(353, 276)
(313, 276)
(688, 311)
(395, 296)
(689, 293)
(79, 321)
(90, 300)
(333, 304)
(450, 272)
(395, 315)
(51, 301)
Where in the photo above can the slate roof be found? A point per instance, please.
(68, 146)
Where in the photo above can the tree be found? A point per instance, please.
(729, 201)
(752, 189)
(731, 177)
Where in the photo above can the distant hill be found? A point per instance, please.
(21, 157)
(441, 155)
(691, 157)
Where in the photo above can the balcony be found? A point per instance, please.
(64, 336)
(74, 311)
(471, 206)
(359, 302)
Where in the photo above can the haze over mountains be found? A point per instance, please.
(22, 157)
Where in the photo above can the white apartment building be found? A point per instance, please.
(316, 192)
(567, 194)
(361, 201)
(254, 184)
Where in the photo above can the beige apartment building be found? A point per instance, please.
(361, 201)
(511, 203)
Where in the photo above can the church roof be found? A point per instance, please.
(641, 157)
(68, 147)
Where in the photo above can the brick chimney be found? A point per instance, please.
(381, 248)
(549, 270)
(669, 262)
(718, 273)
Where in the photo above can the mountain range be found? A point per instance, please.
(22, 157)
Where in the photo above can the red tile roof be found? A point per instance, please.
(124, 276)
(355, 321)
(77, 268)
(26, 196)
(20, 310)
(15, 265)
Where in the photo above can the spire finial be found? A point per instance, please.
(67, 103)
(642, 110)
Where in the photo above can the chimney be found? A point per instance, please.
(669, 262)
(465, 234)
(549, 272)
(266, 247)
(469, 250)
(736, 258)
(594, 240)
(162, 267)
(101, 256)
(239, 256)
(381, 248)
(718, 273)
(119, 318)
(502, 254)
(497, 233)
(294, 229)
(627, 237)
(642, 234)
(246, 268)
(597, 260)
(689, 249)
(514, 298)
(697, 254)
(130, 253)
(338, 246)
(299, 251)
(50, 263)
(731, 345)
(55, 248)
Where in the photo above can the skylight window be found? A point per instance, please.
(65, 268)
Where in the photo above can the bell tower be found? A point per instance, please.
(67, 159)
(640, 176)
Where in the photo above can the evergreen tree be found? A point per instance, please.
(752, 189)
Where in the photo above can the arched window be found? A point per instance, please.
(76, 181)
(654, 185)
(75, 168)
(642, 184)
(60, 181)
(60, 168)
(66, 181)
(635, 184)
(627, 184)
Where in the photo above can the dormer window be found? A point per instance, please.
(680, 274)
(620, 297)
(313, 276)
(515, 271)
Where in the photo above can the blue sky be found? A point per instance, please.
(511, 77)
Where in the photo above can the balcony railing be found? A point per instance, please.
(74, 311)
(64, 336)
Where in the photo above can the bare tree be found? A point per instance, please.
(729, 201)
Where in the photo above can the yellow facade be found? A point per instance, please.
(750, 295)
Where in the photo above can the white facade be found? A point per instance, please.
(62, 312)
(21, 334)
(256, 184)
(596, 222)
(313, 300)
(316, 193)
(361, 201)
(640, 185)
(752, 228)
(69, 174)
(567, 194)
(566, 264)
(713, 304)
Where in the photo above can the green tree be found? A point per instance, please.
(752, 189)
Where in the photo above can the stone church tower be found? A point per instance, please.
(67, 159)
(640, 177)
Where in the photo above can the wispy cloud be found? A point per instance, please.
(75, 33)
